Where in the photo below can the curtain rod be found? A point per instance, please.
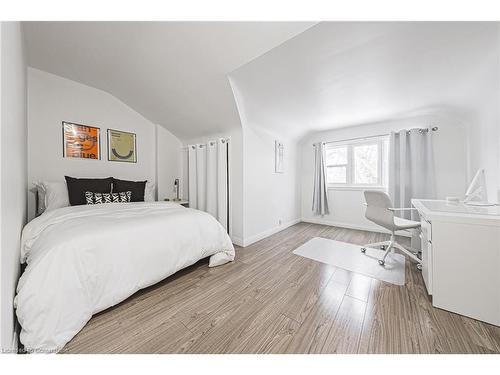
(434, 128)
(201, 144)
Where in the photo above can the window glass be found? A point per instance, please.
(336, 155)
(359, 163)
(336, 175)
(366, 164)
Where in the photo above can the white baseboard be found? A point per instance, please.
(243, 242)
(257, 237)
(352, 226)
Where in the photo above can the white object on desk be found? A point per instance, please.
(476, 194)
(461, 257)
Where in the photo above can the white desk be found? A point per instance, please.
(461, 257)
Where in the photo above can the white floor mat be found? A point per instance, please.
(348, 256)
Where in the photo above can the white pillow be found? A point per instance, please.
(41, 197)
(52, 195)
(149, 192)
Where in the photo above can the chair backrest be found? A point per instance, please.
(377, 209)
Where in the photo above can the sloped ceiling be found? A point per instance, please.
(338, 74)
(173, 73)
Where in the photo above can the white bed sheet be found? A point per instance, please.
(84, 259)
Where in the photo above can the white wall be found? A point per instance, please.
(13, 169)
(53, 99)
(168, 163)
(346, 206)
(236, 149)
(271, 200)
(482, 102)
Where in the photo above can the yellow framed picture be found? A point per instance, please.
(81, 141)
(121, 146)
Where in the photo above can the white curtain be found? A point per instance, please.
(201, 177)
(192, 180)
(208, 178)
(211, 196)
(411, 168)
(320, 191)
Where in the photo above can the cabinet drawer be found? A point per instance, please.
(426, 244)
(426, 229)
(427, 265)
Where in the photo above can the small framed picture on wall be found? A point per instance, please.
(81, 141)
(279, 150)
(122, 146)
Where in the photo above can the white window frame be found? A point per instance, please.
(381, 141)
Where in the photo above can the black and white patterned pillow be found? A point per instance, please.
(99, 198)
(89, 197)
(125, 196)
(107, 198)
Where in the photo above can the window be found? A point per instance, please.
(358, 163)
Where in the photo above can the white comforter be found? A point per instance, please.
(84, 259)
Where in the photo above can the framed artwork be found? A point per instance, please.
(81, 141)
(279, 166)
(121, 146)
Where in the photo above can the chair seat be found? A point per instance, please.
(405, 224)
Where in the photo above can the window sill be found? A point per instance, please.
(357, 188)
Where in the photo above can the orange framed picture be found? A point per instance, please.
(81, 141)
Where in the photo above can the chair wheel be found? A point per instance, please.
(381, 262)
(363, 249)
(383, 247)
(419, 267)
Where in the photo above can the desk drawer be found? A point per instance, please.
(426, 228)
(426, 244)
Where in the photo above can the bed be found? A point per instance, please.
(85, 259)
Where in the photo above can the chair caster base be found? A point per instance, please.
(363, 249)
(381, 262)
(419, 267)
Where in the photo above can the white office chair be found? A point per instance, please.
(380, 211)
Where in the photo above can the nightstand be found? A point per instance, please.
(181, 202)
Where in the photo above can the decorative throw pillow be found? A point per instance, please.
(78, 186)
(107, 198)
(136, 187)
(125, 196)
(99, 198)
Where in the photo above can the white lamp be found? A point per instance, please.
(176, 190)
(476, 194)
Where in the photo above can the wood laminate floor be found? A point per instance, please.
(272, 301)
